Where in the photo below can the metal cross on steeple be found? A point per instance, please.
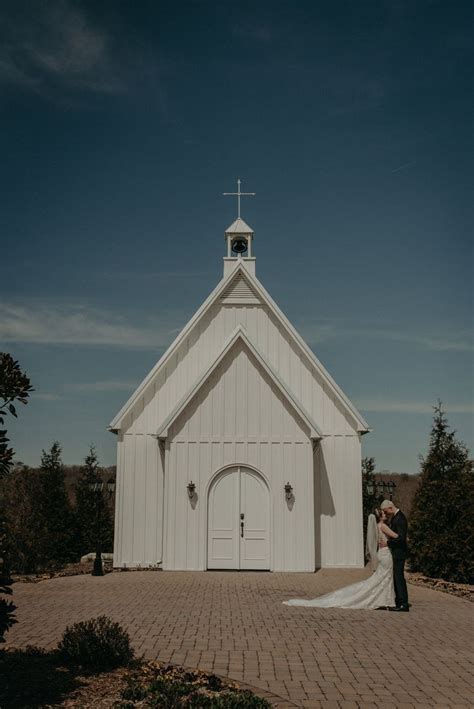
(238, 194)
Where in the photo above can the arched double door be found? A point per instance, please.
(238, 521)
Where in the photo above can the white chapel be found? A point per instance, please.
(238, 450)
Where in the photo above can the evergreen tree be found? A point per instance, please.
(440, 534)
(24, 524)
(56, 547)
(93, 516)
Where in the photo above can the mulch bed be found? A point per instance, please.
(462, 590)
(69, 570)
(36, 678)
(77, 569)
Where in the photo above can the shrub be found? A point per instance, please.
(173, 687)
(96, 644)
(7, 608)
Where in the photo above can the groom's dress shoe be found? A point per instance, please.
(400, 609)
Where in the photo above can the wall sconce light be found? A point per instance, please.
(191, 487)
(288, 492)
(391, 488)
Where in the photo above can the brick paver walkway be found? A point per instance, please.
(235, 625)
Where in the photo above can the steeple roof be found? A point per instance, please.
(239, 227)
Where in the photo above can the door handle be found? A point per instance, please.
(242, 529)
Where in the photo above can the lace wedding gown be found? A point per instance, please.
(372, 593)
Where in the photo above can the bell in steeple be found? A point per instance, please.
(239, 245)
(239, 238)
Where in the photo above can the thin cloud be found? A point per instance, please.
(404, 166)
(55, 44)
(77, 324)
(153, 275)
(45, 396)
(336, 330)
(106, 385)
(450, 342)
(411, 407)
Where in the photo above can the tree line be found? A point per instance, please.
(40, 529)
(45, 530)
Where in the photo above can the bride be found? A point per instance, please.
(375, 592)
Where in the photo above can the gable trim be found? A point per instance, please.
(266, 297)
(255, 284)
(240, 334)
(165, 357)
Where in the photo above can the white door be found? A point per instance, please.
(223, 522)
(239, 521)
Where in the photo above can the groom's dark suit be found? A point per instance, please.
(399, 550)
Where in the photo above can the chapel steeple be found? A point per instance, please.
(239, 237)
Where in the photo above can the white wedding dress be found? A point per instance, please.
(376, 591)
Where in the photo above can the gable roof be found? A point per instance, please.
(261, 293)
(239, 227)
(240, 335)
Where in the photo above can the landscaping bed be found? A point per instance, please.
(462, 590)
(37, 678)
(76, 569)
(160, 685)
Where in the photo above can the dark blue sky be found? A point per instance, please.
(121, 125)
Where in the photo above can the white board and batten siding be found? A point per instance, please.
(139, 502)
(238, 417)
(216, 432)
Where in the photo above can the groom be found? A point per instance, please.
(398, 523)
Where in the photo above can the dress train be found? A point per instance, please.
(372, 593)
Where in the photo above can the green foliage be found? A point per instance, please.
(172, 687)
(97, 644)
(56, 545)
(7, 607)
(43, 531)
(21, 492)
(440, 535)
(14, 386)
(92, 514)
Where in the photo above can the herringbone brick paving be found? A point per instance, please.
(235, 625)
